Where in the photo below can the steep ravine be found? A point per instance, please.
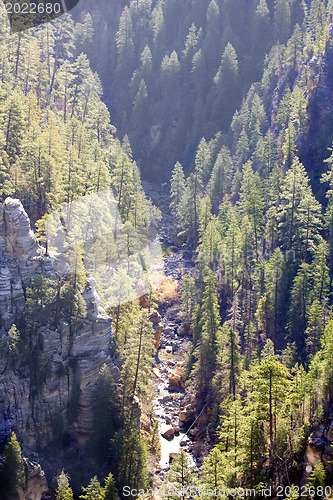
(171, 402)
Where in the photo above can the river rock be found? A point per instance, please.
(169, 433)
(158, 330)
(155, 317)
(156, 372)
(175, 378)
(187, 415)
(169, 330)
(164, 399)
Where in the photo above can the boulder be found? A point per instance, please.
(175, 378)
(187, 415)
(169, 330)
(168, 433)
(155, 317)
(157, 372)
(158, 330)
(164, 399)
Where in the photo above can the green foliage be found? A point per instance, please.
(109, 490)
(106, 417)
(317, 477)
(63, 491)
(179, 478)
(93, 491)
(13, 473)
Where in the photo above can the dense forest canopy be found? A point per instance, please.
(176, 71)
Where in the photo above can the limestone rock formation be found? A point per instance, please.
(61, 399)
(36, 481)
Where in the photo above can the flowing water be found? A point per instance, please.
(172, 354)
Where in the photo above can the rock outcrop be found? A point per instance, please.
(61, 400)
(320, 447)
(36, 484)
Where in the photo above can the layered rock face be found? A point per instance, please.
(320, 447)
(61, 401)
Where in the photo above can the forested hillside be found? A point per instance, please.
(58, 145)
(260, 306)
(176, 71)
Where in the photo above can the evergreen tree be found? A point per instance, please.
(282, 20)
(93, 491)
(13, 473)
(299, 213)
(227, 87)
(177, 190)
(271, 379)
(300, 302)
(179, 478)
(251, 202)
(109, 490)
(213, 471)
(209, 328)
(220, 180)
(63, 491)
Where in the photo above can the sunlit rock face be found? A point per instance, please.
(55, 397)
(19, 259)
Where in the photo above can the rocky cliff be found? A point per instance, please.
(59, 406)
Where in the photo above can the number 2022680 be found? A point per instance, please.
(33, 8)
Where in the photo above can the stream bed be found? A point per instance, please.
(168, 388)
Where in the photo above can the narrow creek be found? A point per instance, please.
(169, 392)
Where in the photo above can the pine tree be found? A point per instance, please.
(251, 202)
(106, 415)
(93, 491)
(227, 87)
(317, 477)
(229, 434)
(261, 28)
(213, 472)
(109, 490)
(188, 297)
(271, 379)
(210, 248)
(271, 307)
(13, 473)
(300, 302)
(220, 180)
(179, 478)
(299, 213)
(203, 160)
(282, 20)
(177, 189)
(320, 273)
(315, 327)
(63, 491)
(209, 328)
(293, 52)
(189, 210)
(6, 184)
